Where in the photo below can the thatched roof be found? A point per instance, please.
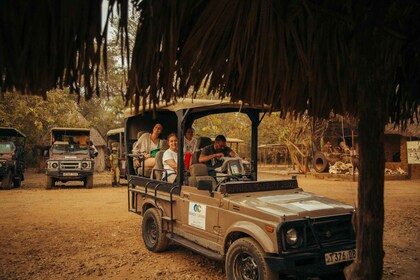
(412, 130)
(293, 55)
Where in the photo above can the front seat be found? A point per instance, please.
(198, 172)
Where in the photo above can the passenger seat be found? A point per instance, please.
(201, 143)
(199, 172)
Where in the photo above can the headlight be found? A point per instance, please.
(292, 237)
(52, 165)
(86, 164)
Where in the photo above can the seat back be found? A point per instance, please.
(157, 171)
(201, 143)
(198, 172)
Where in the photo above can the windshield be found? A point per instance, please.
(6, 148)
(73, 149)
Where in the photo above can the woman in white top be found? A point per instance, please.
(170, 159)
(190, 143)
(147, 145)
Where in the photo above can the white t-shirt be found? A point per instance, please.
(190, 145)
(169, 154)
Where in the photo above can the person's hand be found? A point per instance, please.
(219, 155)
(136, 163)
(146, 156)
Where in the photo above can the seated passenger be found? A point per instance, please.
(170, 159)
(190, 143)
(148, 145)
(213, 154)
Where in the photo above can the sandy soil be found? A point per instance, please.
(76, 233)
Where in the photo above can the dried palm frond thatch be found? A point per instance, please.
(48, 44)
(293, 55)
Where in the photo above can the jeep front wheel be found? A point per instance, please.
(153, 235)
(49, 183)
(88, 183)
(6, 181)
(245, 260)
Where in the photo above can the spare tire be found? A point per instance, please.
(320, 162)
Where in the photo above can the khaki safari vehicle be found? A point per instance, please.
(12, 161)
(260, 229)
(115, 138)
(69, 157)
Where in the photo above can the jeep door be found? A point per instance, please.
(200, 216)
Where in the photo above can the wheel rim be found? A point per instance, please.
(151, 229)
(245, 267)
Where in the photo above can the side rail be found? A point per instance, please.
(147, 187)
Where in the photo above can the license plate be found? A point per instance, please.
(341, 256)
(70, 174)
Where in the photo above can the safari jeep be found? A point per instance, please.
(12, 161)
(260, 229)
(69, 158)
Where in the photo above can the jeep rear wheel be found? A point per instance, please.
(49, 183)
(153, 235)
(245, 260)
(6, 182)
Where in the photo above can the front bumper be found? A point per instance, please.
(308, 263)
(74, 175)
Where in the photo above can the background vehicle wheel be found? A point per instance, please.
(89, 182)
(320, 162)
(245, 260)
(49, 184)
(16, 182)
(6, 182)
(154, 238)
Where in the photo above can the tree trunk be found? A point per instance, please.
(369, 221)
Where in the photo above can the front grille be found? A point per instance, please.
(70, 165)
(318, 232)
(330, 231)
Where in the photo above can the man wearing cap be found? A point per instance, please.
(115, 167)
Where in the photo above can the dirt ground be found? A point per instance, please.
(76, 233)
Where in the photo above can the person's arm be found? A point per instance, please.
(205, 158)
(171, 162)
(110, 162)
(232, 153)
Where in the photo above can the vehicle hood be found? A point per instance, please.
(290, 205)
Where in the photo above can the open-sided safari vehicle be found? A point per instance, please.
(12, 160)
(261, 229)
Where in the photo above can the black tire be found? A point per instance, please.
(152, 230)
(89, 182)
(320, 162)
(245, 260)
(49, 183)
(17, 181)
(6, 181)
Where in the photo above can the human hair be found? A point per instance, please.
(220, 138)
(188, 129)
(172, 135)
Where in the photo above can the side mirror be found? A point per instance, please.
(205, 185)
